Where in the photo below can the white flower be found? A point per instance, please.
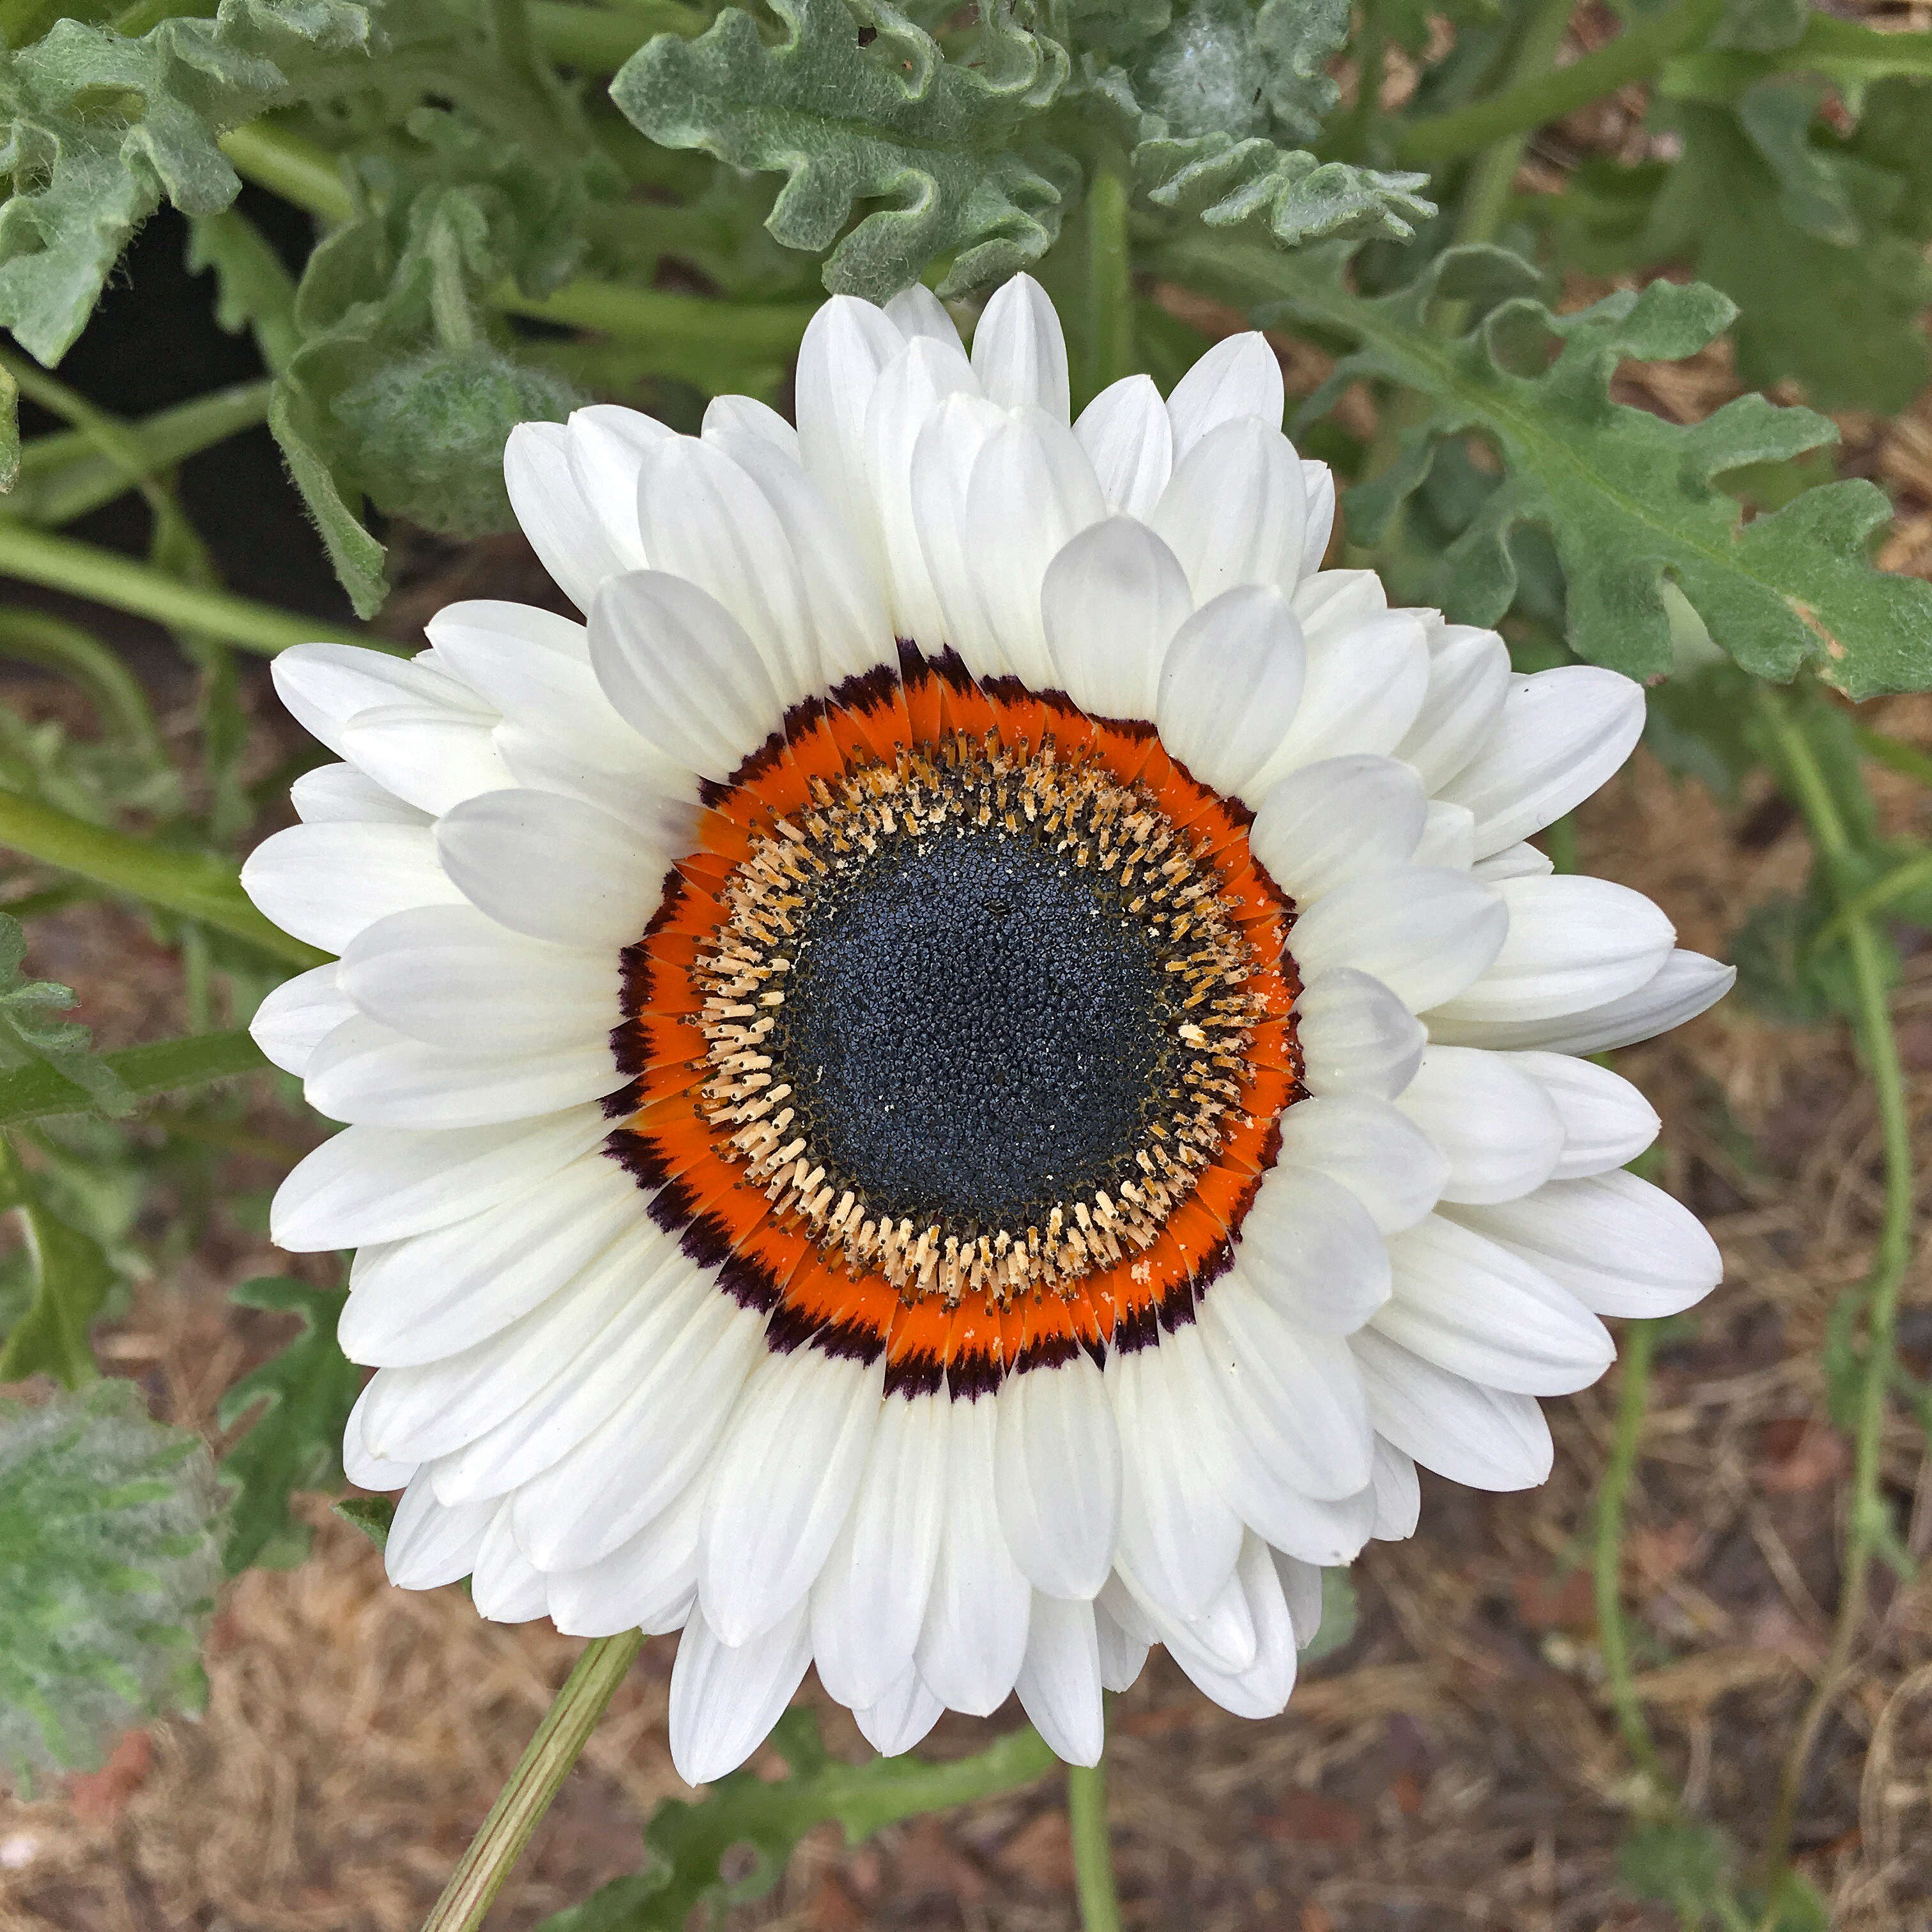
(966, 1079)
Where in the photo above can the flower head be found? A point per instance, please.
(968, 1076)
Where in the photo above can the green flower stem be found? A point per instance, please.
(600, 39)
(1531, 100)
(1612, 1634)
(197, 885)
(1869, 1528)
(1111, 282)
(105, 577)
(298, 170)
(65, 475)
(34, 1093)
(658, 315)
(1093, 1847)
(1485, 197)
(38, 637)
(1895, 756)
(539, 1774)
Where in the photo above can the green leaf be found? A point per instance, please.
(1224, 67)
(1681, 1864)
(34, 1093)
(30, 1034)
(372, 1515)
(68, 1276)
(690, 1841)
(100, 128)
(296, 1441)
(1295, 198)
(1629, 501)
(1341, 1612)
(937, 142)
(109, 1553)
(253, 290)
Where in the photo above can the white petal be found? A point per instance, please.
(847, 615)
(1019, 354)
(1292, 1400)
(901, 1717)
(1398, 1493)
(1513, 861)
(1683, 986)
(1057, 1461)
(1337, 818)
(431, 758)
(948, 446)
(724, 1702)
(1478, 1311)
(1301, 1590)
(1234, 510)
(1425, 933)
(1619, 1245)
(506, 1587)
(783, 1479)
(1129, 439)
(729, 417)
(298, 1015)
(431, 1295)
(1361, 692)
(1262, 1689)
(1472, 1435)
(1178, 1539)
(380, 1183)
(1357, 1037)
(1111, 602)
(1606, 1122)
(1032, 492)
(916, 310)
(1122, 1655)
(974, 1635)
(1383, 1159)
(570, 538)
(552, 868)
(609, 447)
(1561, 734)
(1501, 1131)
(361, 1465)
(326, 883)
(704, 519)
(1059, 1682)
(1318, 482)
(323, 686)
(1448, 839)
(679, 669)
(1469, 676)
(871, 1594)
(1313, 1249)
(1230, 686)
(333, 793)
(648, 1583)
(1573, 943)
(368, 1073)
(1239, 376)
(450, 976)
(846, 345)
(429, 1544)
(629, 1469)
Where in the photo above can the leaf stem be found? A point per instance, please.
(197, 885)
(1531, 100)
(539, 1774)
(1486, 194)
(1093, 1847)
(34, 1093)
(649, 315)
(285, 164)
(104, 576)
(1612, 1634)
(38, 637)
(1111, 282)
(1869, 1529)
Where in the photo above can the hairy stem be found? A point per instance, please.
(197, 885)
(105, 576)
(1612, 1635)
(1531, 100)
(1870, 1527)
(38, 637)
(37, 1093)
(286, 165)
(539, 1774)
(1111, 282)
(1093, 1847)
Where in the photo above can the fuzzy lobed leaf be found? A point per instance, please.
(1629, 502)
(892, 121)
(30, 1033)
(110, 1529)
(295, 1443)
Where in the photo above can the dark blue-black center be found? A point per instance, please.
(976, 1029)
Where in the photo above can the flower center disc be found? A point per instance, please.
(969, 1003)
